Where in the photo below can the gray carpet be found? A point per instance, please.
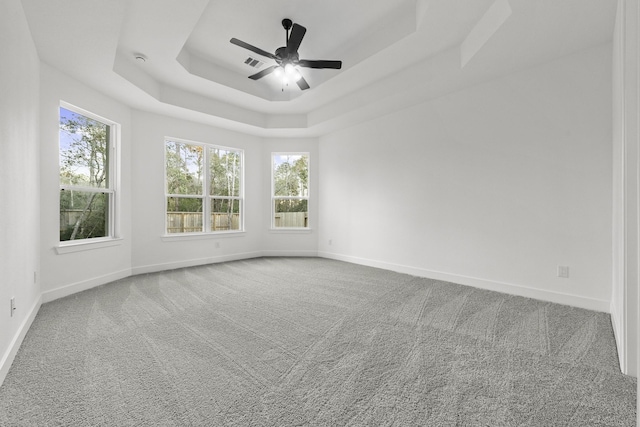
(310, 341)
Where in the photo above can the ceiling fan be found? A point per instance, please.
(287, 58)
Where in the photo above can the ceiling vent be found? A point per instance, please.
(252, 62)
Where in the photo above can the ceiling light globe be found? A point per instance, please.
(291, 73)
(289, 70)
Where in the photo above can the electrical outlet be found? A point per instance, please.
(35, 277)
(217, 245)
(563, 271)
(13, 305)
(330, 242)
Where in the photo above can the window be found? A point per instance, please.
(202, 181)
(87, 175)
(290, 190)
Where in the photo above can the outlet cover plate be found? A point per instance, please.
(563, 271)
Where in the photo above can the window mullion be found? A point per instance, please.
(113, 179)
(186, 196)
(67, 187)
(206, 201)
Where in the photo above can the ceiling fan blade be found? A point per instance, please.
(295, 38)
(253, 48)
(302, 83)
(263, 73)
(336, 65)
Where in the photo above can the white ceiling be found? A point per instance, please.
(395, 53)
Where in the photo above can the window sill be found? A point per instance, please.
(86, 245)
(201, 236)
(284, 230)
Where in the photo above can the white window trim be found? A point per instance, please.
(114, 237)
(88, 244)
(290, 230)
(176, 237)
(205, 197)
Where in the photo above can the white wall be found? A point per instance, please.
(63, 274)
(492, 186)
(617, 278)
(626, 169)
(152, 250)
(19, 180)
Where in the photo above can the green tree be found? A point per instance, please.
(184, 176)
(84, 162)
(184, 172)
(225, 182)
(291, 179)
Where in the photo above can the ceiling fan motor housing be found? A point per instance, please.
(284, 58)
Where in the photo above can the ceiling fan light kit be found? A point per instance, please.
(287, 58)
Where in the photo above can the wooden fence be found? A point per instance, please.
(291, 219)
(191, 222)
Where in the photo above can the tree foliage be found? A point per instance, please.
(185, 167)
(184, 176)
(291, 179)
(84, 155)
(224, 167)
(84, 162)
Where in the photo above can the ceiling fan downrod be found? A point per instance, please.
(287, 24)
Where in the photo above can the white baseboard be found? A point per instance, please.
(290, 253)
(507, 288)
(16, 342)
(73, 288)
(83, 285)
(152, 268)
(618, 332)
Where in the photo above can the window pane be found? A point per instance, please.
(184, 215)
(291, 175)
(184, 168)
(212, 173)
(83, 215)
(84, 150)
(224, 166)
(225, 214)
(290, 213)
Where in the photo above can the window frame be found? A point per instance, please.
(205, 196)
(274, 197)
(111, 188)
